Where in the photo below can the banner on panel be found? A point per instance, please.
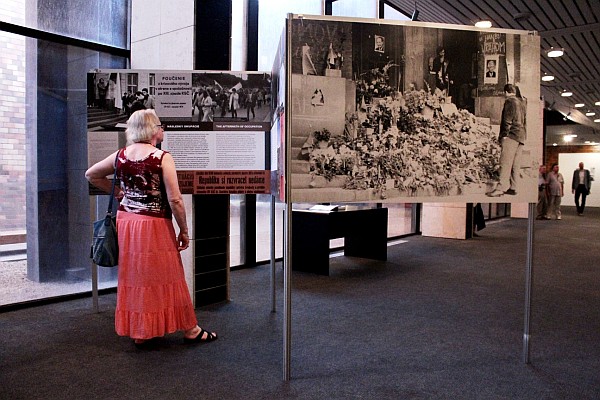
(217, 124)
(406, 113)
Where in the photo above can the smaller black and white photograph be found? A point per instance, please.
(242, 97)
(491, 70)
(113, 96)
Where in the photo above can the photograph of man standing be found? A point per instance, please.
(581, 184)
(512, 138)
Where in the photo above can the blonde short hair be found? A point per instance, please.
(141, 126)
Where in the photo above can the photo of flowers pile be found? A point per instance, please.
(405, 143)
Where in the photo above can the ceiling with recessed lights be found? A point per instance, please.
(572, 25)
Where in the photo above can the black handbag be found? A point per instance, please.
(105, 247)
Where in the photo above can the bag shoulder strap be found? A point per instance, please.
(112, 190)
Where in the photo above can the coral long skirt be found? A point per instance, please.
(152, 295)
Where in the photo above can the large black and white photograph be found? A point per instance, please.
(436, 114)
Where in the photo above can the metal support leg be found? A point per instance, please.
(95, 287)
(273, 286)
(528, 282)
(287, 300)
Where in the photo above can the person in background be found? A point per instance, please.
(152, 294)
(441, 69)
(148, 99)
(556, 185)
(542, 203)
(207, 104)
(234, 102)
(581, 184)
(478, 219)
(127, 99)
(137, 102)
(102, 92)
(250, 104)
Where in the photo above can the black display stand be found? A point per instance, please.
(211, 249)
(364, 233)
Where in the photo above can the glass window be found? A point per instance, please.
(236, 207)
(399, 219)
(355, 8)
(105, 22)
(391, 13)
(43, 148)
(152, 84)
(263, 228)
(271, 20)
(239, 14)
(132, 83)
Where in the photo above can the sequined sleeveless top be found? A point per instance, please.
(142, 183)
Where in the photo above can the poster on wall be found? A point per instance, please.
(390, 111)
(217, 124)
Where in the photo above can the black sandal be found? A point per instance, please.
(143, 345)
(210, 336)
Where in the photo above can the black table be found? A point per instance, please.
(364, 232)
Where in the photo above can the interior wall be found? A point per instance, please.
(162, 34)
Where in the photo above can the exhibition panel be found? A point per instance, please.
(412, 112)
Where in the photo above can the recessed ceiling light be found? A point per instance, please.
(579, 105)
(555, 52)
(554, 144)
(597, 103)
(483, 24)
(567, 138)
(547, 78)
(597, 120)
(590, 114)
(566, 93)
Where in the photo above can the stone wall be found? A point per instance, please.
(12, 121)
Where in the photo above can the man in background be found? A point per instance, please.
(148, 99)
(580, 185)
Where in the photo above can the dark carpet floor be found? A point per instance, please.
(441, 319)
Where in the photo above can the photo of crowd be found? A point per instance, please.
(230, 96)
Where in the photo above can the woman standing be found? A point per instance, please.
(234, 102)
(556, 185)
(152, 295)
(207, 104)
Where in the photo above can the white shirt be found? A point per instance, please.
(582, 176)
